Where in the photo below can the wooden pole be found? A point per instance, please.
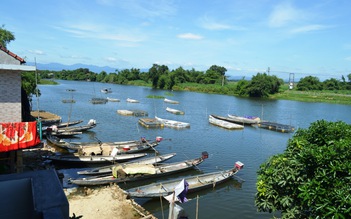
(197, 207)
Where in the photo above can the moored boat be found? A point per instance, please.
(129, 100)
(245, 120)
(276, 127)
(224, 124)
(133, 172)
(112, 99)
(195, 183)
(171, 101)
(104, 148)
(174, 111)
(108, 169)
(98, 100)
(173, 123)
(97, 159)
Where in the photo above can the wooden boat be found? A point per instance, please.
(276, 127)
(97, 159)
(224, 124)
(91, 124)
(106, 90)
(133, 172)
(173, 123)
(197, 182)
(170, 101)
(98, 100)
(106, 148)
(129, 100)
(108, 169)
(245, 120)
(174, 111)
(112, 99)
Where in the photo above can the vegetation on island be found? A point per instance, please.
(311, 179)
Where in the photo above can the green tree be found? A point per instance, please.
(262, 85)
(331, 84)
(309, 83)
(241, 87)
(5, 36)
(155, 73)
(311, 179)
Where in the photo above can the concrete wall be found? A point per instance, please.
(10, 98)
(7, 59)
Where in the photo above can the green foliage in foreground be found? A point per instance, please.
(311, 179)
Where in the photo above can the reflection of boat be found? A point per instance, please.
(195, 183)
(223, 123)
(97, 159)
(170, 101)
(98, 100)
(133, 172)
(174, 111)
(112, 99)
(245, 120)
(276, 127)
(173, 123)
(108, 169)
(106, 90)
(129, 100)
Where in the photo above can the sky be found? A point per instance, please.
(281, 38)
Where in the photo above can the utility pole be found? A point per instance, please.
(268, 70)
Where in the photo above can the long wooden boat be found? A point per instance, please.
(173, 123)
(55, 130)
(106, 90)
(104, 148)
(174, 111)
(133, 172)
(195, 183)
(276, 127)
(129, 100)
(97, 159)
(223, 123)
(171, 101)
(108, 169)
(245, 120)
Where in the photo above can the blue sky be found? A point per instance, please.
(246, 37)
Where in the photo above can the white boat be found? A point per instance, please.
(171, 101)
(174, 111)
(112, 99)
(223, 123)
(249, 120)
(173, 123)
(129, 100)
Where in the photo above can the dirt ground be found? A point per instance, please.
(103, 202)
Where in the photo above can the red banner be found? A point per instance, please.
(18, 135)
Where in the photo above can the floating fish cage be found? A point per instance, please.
(150, 123)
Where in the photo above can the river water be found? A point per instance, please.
(252, 146)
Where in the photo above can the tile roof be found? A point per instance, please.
(12, 54)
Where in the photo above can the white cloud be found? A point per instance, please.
(36, 52)
(308, 28)
(190, 36)
(348, 58)
(283, 14)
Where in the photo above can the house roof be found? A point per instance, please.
(12, 54)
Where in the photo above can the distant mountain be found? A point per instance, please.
(60, 67)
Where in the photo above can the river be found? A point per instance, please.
(252, 146)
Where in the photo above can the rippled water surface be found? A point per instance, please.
(252, 146)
